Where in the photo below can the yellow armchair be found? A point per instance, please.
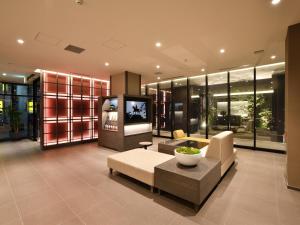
(180, 135)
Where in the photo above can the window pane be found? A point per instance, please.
(197, 106)
(217, 103)
(270, 107)
(165, 109)
(242, 106)
(180, 104)
(152, 91)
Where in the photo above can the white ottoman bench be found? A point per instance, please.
(138, 164)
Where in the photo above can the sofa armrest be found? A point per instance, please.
(203, 151)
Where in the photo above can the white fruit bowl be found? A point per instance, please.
(187, 159)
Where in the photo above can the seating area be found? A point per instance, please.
(140, 164)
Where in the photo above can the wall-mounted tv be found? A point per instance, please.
(136, 110)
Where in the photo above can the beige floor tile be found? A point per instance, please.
(35, 186)
(38, 201)
(53, 215)
(8, 213)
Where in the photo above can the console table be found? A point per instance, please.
(193, 184)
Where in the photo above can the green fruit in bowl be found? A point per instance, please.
(188, 150)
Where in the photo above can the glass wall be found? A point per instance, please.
(197, 106)
(242, 106)
(15, 111)
(249, 102)
(152, 91)
(180, 104)
(217, 103)
(270, 107)
(164, 109)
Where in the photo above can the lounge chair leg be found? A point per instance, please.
(110, 170)
(151, 189)
(196, 207)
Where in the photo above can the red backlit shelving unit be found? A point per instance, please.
(70, 108)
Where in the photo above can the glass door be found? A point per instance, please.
(217, 103)
(165, 101)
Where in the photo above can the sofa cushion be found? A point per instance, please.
(138, 163)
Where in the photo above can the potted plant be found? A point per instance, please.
(187, 156)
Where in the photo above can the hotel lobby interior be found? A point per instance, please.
(157, 112)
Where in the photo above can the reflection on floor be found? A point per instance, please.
(72, 185)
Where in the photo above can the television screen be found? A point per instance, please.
(136, 111)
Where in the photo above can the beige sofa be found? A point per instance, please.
(138, 164)
(221, 148)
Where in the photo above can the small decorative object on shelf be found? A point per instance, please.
(110, 114)
(187, 156)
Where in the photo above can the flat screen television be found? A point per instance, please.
(136, 111)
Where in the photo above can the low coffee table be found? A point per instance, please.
(193, 184)
(169, 146)
(145, 144)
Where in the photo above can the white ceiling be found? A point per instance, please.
(124, 33)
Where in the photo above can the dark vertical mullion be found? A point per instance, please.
(34, 116)
(188, 106)
(81, 125)
(254, 110)
(41, 112)
(206, 106)
(158, 108)
(56, 109)
(172, 110)
(146, 90)
(70, 109)
(228, 101)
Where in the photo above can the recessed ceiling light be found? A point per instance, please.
(275, 2)
(158, 44)
(20, 41)
(158, 78)
(4, 74)
(202, 69)
(273, 57)
(106, 64)
(222, 50)
(157, 66)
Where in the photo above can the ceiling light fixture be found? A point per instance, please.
(106, 64)
(222, 50)
(158, 44)
(157, 66)
(20, 41)
(275, 2)
(4, 74)
(203, 70)
(158, 78)
(273, 57)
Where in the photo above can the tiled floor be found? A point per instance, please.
(72, 186)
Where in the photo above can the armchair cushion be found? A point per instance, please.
(178, 134)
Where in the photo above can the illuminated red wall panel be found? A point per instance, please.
(86, 87)
(95, 108)
(62, 107)
(76, 130)
(50, 84)
(76, 86)
(70, 107)
(50, 107)
(56, 131)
